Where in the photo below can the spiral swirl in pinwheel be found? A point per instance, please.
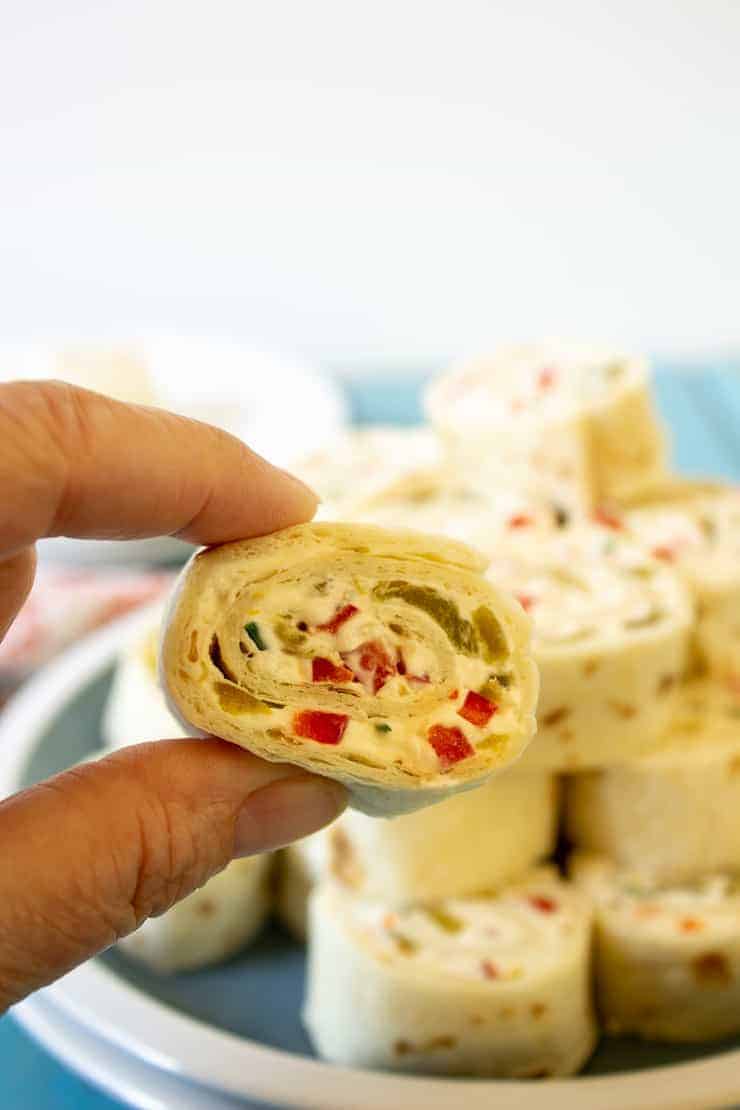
(381, 659)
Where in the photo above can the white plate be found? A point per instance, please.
(114, 1071)
(169, 1042)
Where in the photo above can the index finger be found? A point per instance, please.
(77, 463)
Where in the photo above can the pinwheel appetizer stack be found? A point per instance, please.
(385, 660)
(659, 853)
(656, 838)
(546, 536)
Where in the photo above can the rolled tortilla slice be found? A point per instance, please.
(667, 957)
(674, 813)
(380, 659)
(611, 633)
(491, 987)
(577, 415)
(136, 709)
(695, 527)
(210, 925)
(353, 468)
(449, 503)
(300, 868)
(470, 843)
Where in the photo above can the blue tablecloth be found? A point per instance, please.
(703, 409)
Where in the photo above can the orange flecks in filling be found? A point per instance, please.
(690, 925)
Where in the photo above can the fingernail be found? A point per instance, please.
(286, 810)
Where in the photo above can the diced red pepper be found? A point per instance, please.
(371, 665)
(489, 969)
(450, 744)
(542, 903)
(338, 619)
(546, 378)
(454, 695)
(526, 601)
(609, 520)
(520, 520)
(324, 728)
(477, 709)
(323, 670)
(667, 554)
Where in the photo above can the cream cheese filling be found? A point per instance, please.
(534, 384)
(594, 585)
(328, 633)
(701, 535)
(511, 936)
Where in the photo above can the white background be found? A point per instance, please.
(372, 181)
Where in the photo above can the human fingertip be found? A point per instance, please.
(302, 488)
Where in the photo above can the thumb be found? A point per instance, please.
(88, 855)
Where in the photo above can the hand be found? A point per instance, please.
(88, 855)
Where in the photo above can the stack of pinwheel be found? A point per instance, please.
(441, 935)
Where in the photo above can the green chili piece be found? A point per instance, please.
(708, 527)
(235, 701)
(382, 728)
(490, 690)
(491, 634)
(252, 630)
(405, 945)
(446, 921)
(567, 578)
(459, 632)
(288, 635)
(641, 570)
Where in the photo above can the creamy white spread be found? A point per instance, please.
(476, 514)
(536, 383)
(513, 935)
(350, 637)
(587, 584)
(700, 534)
(695, 911)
